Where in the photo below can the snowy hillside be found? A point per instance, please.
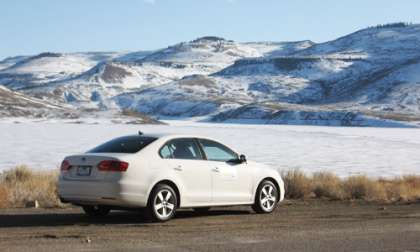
(204, 50)
(373, 72)
(286, 113)
(130, 72)
(14, 104)
(366, 78)
(397, 41)
(192, 96)
(278, 49)
(48, 67)
(21, 107)
(8, 62)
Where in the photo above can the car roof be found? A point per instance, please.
(169, 135)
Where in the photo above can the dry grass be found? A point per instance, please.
(406, 188)
(328, 186)
(297, 185)
(22, 185)
(361, 187)
(3, 197)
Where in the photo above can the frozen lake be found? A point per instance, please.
(345, 151)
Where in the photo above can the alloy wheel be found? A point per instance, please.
(164, 204)
(268, 197)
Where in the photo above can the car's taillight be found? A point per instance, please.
(113, 165)
(65, 165)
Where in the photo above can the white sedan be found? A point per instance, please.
(161, 173)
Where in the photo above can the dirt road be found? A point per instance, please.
(295, 226)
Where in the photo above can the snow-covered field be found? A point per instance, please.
(384, 152)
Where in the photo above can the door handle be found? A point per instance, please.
(216, 169)
(178, 168)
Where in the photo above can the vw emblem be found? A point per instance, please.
(83, 159)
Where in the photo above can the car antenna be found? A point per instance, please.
(140, 133)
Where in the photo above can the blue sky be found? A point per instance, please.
(31, 27)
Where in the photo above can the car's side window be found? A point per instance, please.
(182, 148)
(217, 152)
(165, 152)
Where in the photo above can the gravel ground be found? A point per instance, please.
(294, 226)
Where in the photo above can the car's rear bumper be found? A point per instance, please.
(99, 193)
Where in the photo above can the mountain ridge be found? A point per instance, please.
(371, 73)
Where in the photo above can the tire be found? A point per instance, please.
(266, 198)
(201, 210)
(162, 203)
(96, 211)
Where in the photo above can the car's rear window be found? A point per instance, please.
(126, 144)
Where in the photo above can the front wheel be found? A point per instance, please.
(162, 203)
(96, 211)
(266, 197)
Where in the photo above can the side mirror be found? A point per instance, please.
(242, 158)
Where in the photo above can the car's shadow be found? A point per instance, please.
(116, 217)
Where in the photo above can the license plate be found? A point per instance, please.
(84, 170)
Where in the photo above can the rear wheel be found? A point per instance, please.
(96, 211)
(201, 210)
(266, 198)
(162, 203)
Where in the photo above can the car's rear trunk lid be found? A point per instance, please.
(85, 166)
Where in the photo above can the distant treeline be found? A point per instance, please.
(392, 25)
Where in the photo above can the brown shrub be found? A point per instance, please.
(327, 185)
(412, 184)
(3, 197)
(361, 187)
(297, 185)
(24, 184)
(403, 189)
(19, 174)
